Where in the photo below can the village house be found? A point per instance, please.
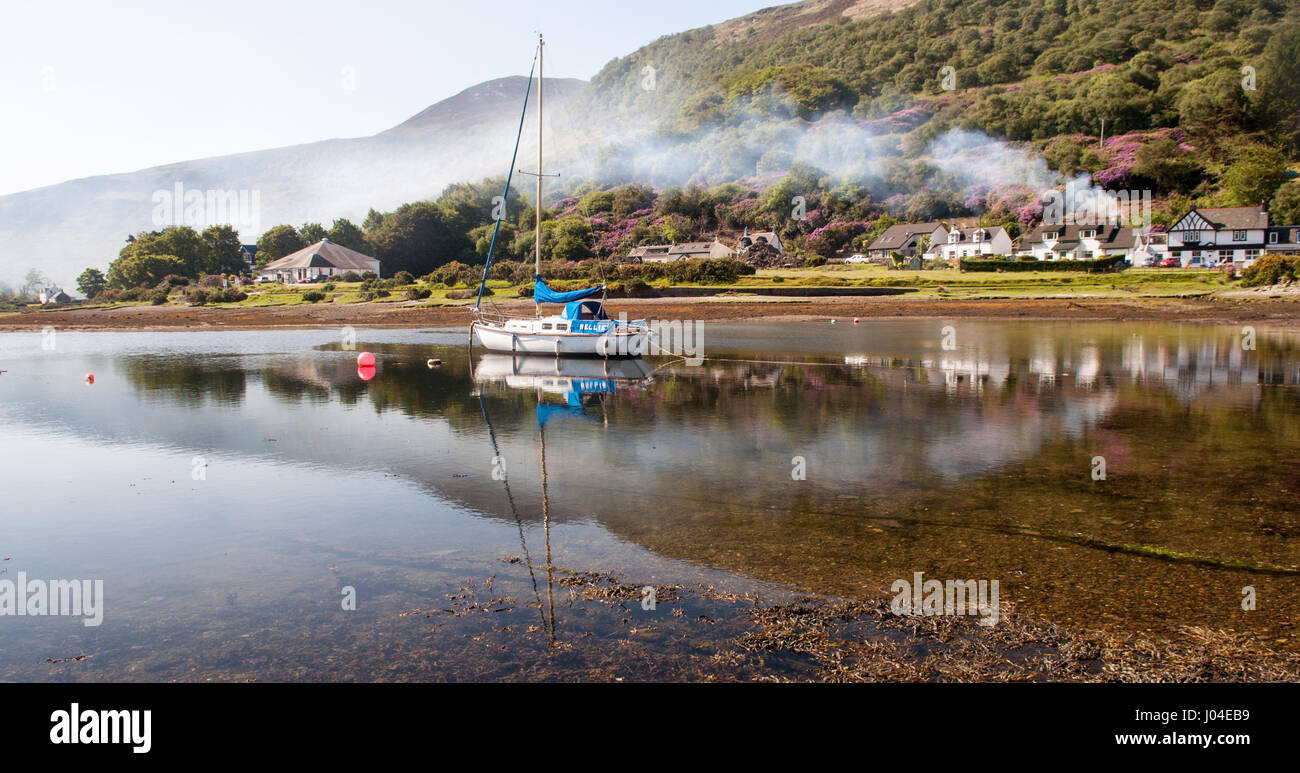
(322, 259)
(905, 239)
(763, 237)
(977, 242)
(1210, 237)
(664, 253)
(53, 295)
(1079, 242)
(1150, 246)
(1282, 240)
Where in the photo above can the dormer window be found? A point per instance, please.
(979, 235)
(1272, 237)
(1239, 236)
(1088, 233)
(1051, 236)
(954, 236)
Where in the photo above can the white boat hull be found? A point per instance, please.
(499, 339)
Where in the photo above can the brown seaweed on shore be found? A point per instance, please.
(854, 641)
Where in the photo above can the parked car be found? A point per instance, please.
(264, 280)
(1171, 263)
(857, 259)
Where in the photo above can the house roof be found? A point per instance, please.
(900, 235)
(1238, 218)
(324, 254)
(968, 235)
(1110, 236)
(685, 248)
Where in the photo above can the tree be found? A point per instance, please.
(222, 247)
(142, 270)
(33, 281)
(278, 242)
(1255, 172)
(1284, 209)
(180, 242)
(417, 238)
(310, 233)
(345, 233)
(1213, 107)
(373, 220)
(1167, 165)
(91, 282)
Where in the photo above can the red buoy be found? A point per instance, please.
(855, 320)
(365, 360)
(365, 373)
(90, 378)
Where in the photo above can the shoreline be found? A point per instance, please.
(1277, 312)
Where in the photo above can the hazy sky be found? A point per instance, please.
(90, 88)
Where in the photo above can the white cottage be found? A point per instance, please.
(977, 242)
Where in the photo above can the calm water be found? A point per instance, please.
(230, 487)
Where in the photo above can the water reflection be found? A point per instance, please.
(973, 462)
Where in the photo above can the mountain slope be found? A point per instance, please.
(64, 228)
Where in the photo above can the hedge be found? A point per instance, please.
(995, 264)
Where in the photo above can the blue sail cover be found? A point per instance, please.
(544, 294)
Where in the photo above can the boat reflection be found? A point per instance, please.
(581, 383)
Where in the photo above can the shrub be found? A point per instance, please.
(198, 297)
(313, 296)
(814, 260)
(404, 278)
(176, 280)
(1111, 263)
(327, 287)
(1271, 269)
(369, 275)
(350, 276)
(158, 298)
(211, 280)
(418, 293)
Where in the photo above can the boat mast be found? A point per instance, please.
(537, 237)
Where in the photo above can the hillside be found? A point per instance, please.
(64, 228)
(846, 105)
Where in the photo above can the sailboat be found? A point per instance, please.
(582, 326)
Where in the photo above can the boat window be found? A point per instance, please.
(546, 326)
(562, 326)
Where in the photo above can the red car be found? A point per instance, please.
(1171, 263)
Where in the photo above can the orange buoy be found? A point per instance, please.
(365, 360)
(90, 378)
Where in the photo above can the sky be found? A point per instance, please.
(90, 88)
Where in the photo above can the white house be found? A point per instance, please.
(1079, 242)
(1210, 237)
(905, 239)
(980, 241)
(324, 258)
(664, 253)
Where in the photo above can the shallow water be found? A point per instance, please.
(229, 486)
